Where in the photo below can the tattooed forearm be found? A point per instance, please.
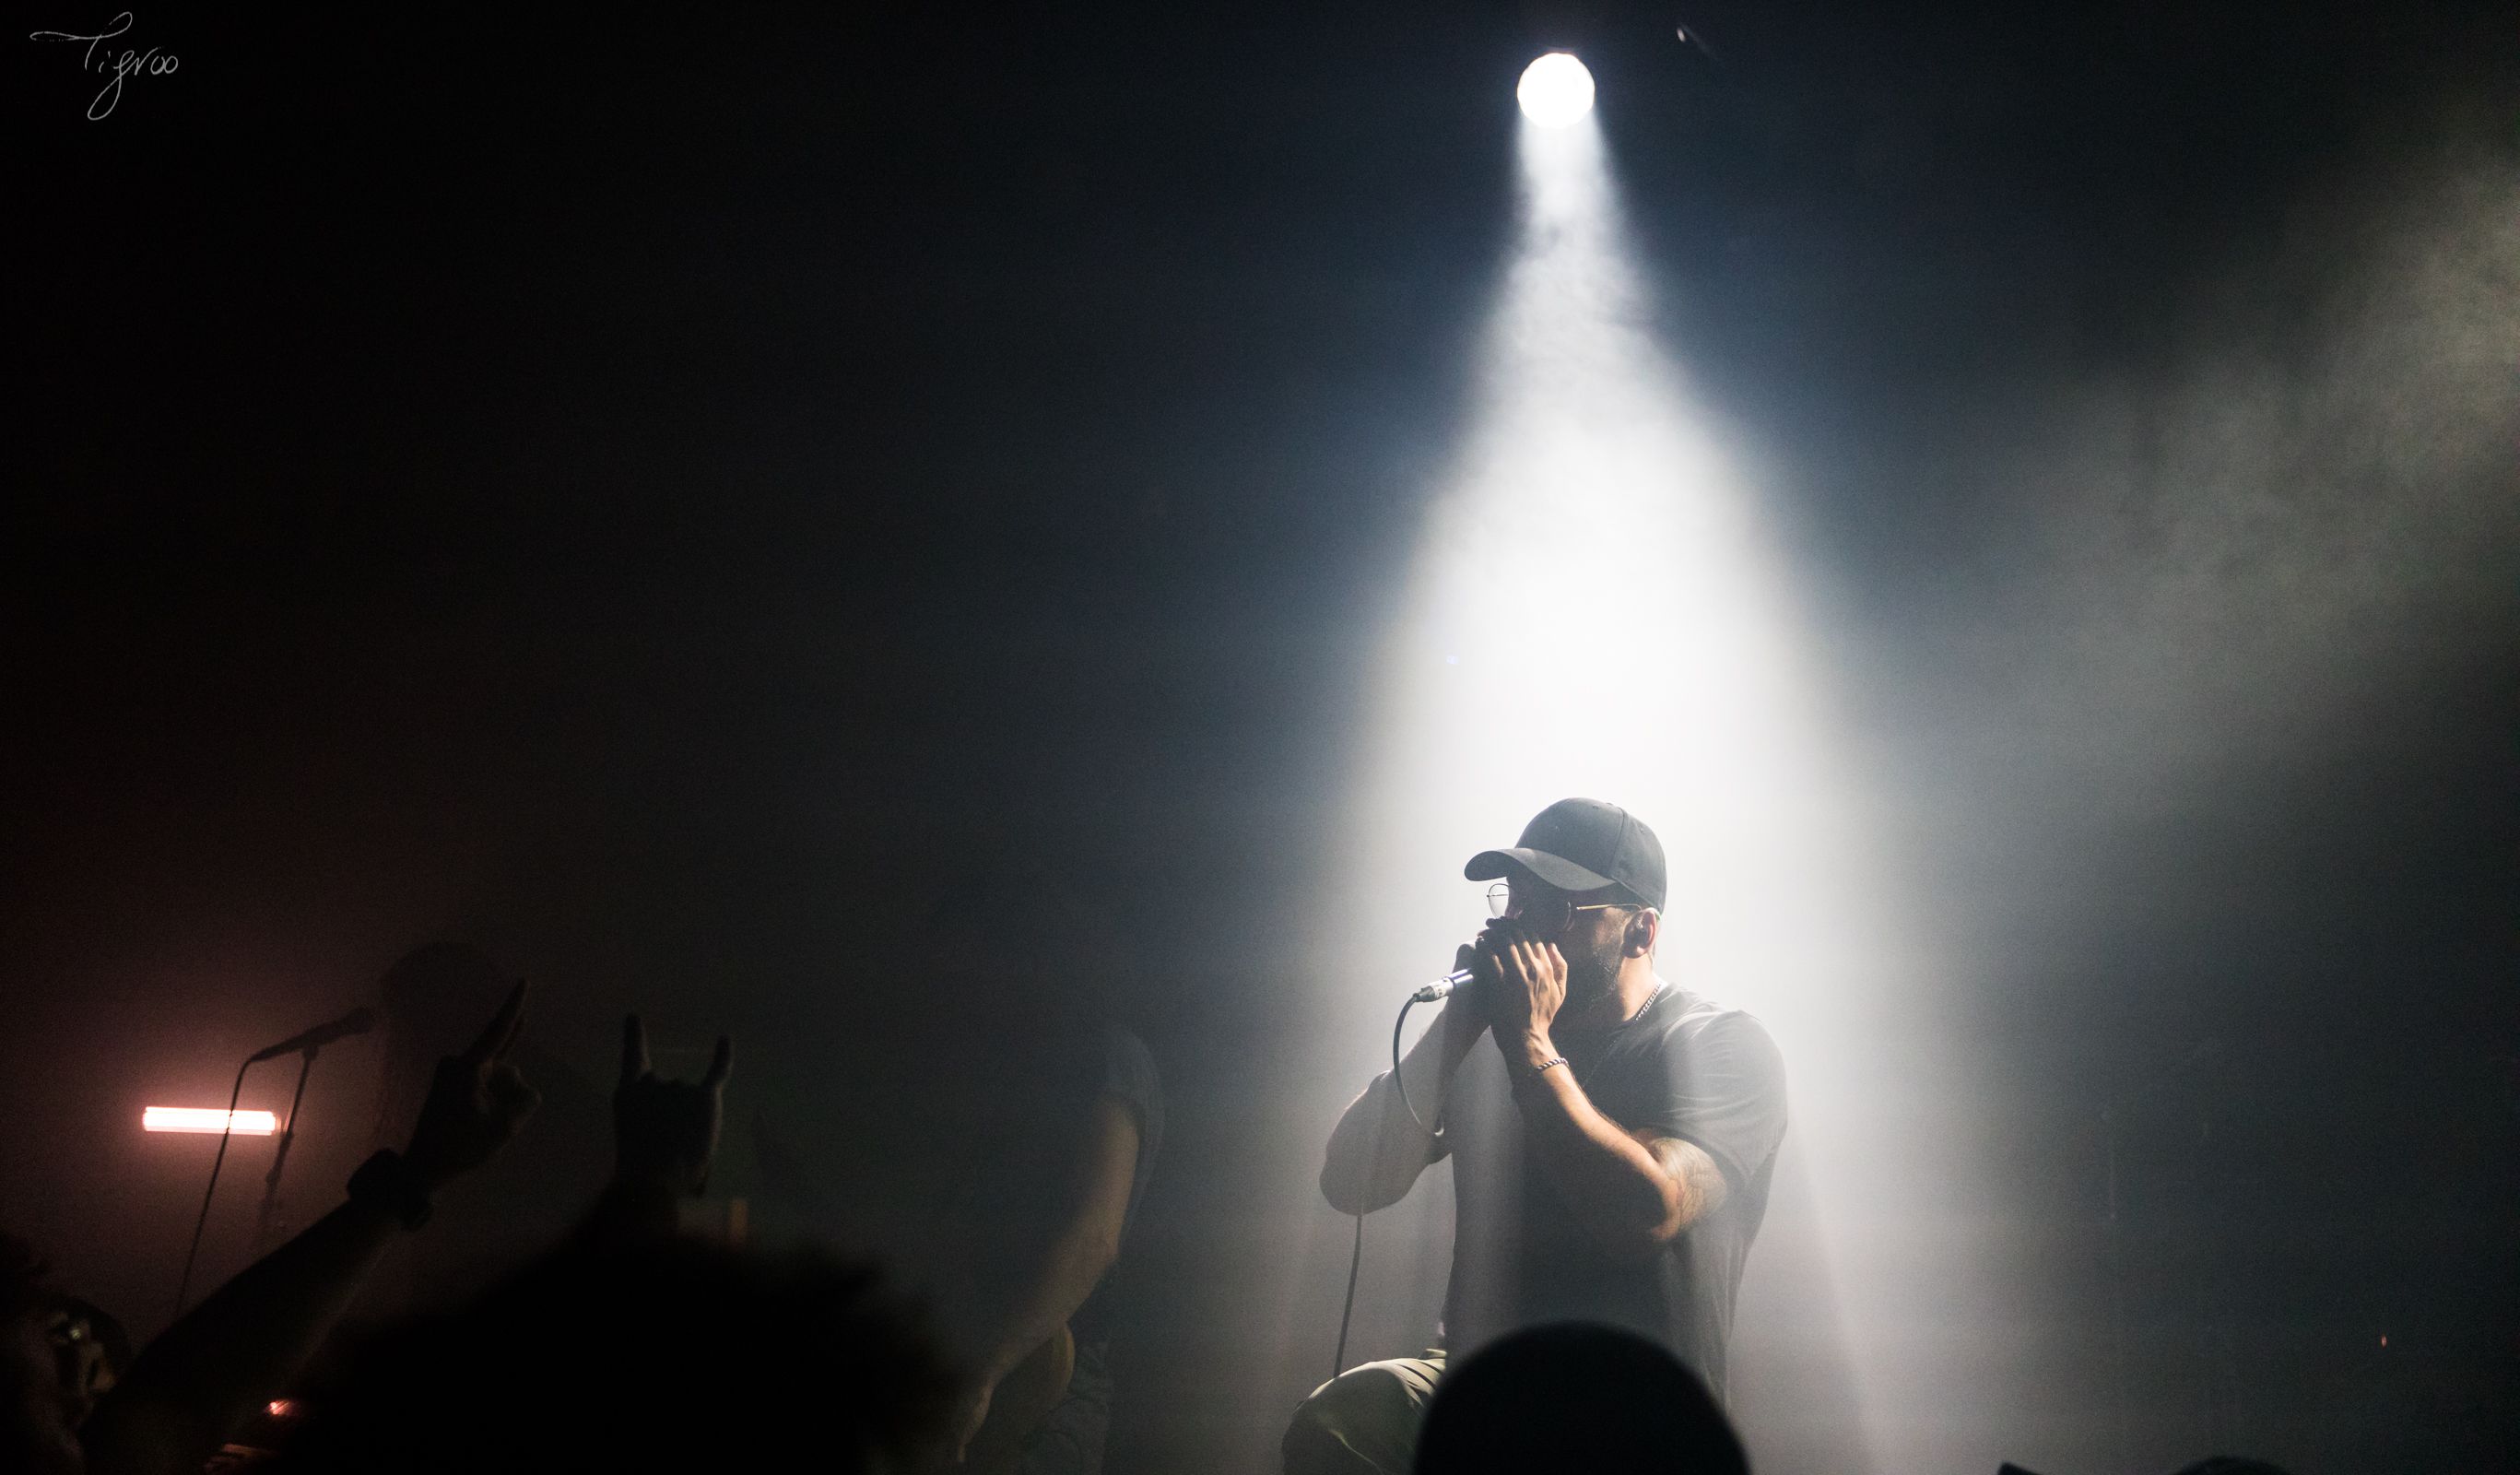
(1701, 1183)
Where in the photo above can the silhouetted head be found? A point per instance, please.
(675, 1356)
(92, 1348)
(39, 1419)
(1573, 1396)
(1021, 945)
(440, 992)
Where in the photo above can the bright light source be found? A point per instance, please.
(207, 1119)
(1556, 91)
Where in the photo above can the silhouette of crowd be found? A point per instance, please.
(630, 1345)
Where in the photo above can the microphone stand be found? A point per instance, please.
(200, 1222)
(267, 1218)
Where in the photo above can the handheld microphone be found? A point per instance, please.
(1445, 987)
(357, 1021)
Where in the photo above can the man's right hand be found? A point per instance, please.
(1466, 1011)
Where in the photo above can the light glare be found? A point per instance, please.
(207, 1119)
(1556, 91)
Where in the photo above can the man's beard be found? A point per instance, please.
(1591, 975)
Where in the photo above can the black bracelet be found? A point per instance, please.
(386, 1183)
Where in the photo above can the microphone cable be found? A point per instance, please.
(1356, 1253)
(227, 1129)
(1397, 1084)
(1355, 1258)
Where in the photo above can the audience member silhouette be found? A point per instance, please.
(185, 1392)
(38, 1417)
(1575, 1395)
(666, 1355)
(92, 1349)
(516, 1206)
(633, 1349)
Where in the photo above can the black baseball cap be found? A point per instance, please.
(1582, 845)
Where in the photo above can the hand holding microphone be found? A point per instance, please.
(1474, 966)
(1467, 975)
(1523, 981)
(1473, 970)
(1504, 968)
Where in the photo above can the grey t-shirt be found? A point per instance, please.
(1685, 1067)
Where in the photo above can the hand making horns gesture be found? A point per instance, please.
(477, 1100)
(667, 1130)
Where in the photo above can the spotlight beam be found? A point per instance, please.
(1597, 608)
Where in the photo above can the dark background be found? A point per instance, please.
(675, 498)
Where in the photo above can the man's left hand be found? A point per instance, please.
(1533, 975)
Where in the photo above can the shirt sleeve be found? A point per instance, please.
(1129, 1077)
(1727, 1095)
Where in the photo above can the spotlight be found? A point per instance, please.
(1556, 91)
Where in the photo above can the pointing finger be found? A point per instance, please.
(634, 1048)
(501, 1032)
(720, 1065)
(515, 1026)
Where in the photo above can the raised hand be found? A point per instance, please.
(477, 1100)
(667, 1130)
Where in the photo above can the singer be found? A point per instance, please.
(1611, 1153)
